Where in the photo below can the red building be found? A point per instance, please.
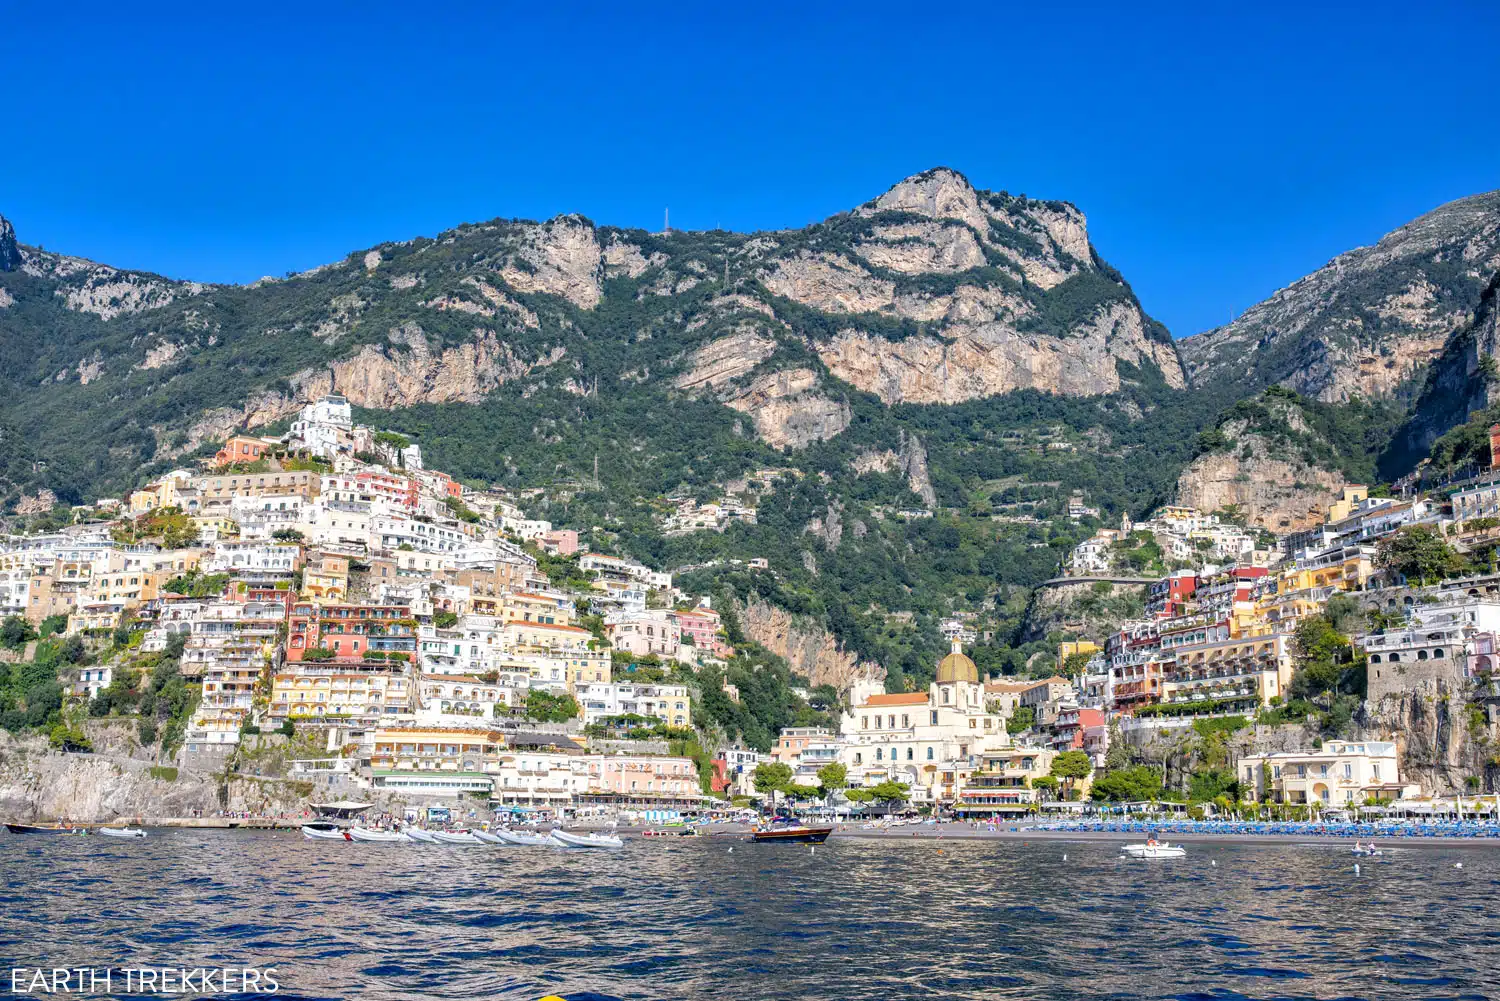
(350, 631)
(1068, 732)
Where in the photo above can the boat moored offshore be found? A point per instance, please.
(568, 840)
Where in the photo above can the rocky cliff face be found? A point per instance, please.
(1370, 321)
(10, 251)
(978, 277)
(1461, 381)
(809, 648)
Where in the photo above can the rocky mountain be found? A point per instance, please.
(1368, 323)
(1281, 459)
(934, 292)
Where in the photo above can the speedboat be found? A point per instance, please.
(417, 834)
(379, 837)
(122, 832)
(322, 830)
(487, 837)
(566, 840)
(523, 838)
(792, 834)
(1154, 849)
(456, 838)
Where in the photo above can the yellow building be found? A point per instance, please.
(109, 597)
(436, 760)
(1005, 782)
(1067, 649)
(1352, 495)
(523, 606)
(1247, 670)
(326, 577)
(162, 493)
(361, 691)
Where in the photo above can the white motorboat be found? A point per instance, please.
(1154, 849)
(417, 834)
(122, 832)
(322, 830)
(568, 840)
(456, 838)
(379, 837)
(523, 838)
(487, 837)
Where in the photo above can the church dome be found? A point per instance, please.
(957, 667)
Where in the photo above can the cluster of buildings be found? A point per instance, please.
(334, 582)
(1184, 534)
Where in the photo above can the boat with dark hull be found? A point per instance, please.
(44, 829)
(791, 834)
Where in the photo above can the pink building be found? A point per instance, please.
(703, 625)
(643, 634)
(560, 541)
(641, 779)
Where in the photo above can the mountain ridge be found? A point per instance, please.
(1370, 321)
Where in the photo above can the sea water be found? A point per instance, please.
(687, 918)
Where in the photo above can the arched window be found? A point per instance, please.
(1374, 658)
(909, 754)
(1394, 658)
(879, 754)
(1421, 654)
(929, 754)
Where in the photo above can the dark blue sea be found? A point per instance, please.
(689, 919)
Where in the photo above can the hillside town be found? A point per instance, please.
(327, 584)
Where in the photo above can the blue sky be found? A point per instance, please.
(1218, 155)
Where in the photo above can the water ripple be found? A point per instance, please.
(860, 920)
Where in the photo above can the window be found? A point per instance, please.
(909, 754)
(905, 720)
(929, 754)
(864, 722)
(879, 754)
(933, 714)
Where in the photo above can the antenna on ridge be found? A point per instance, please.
(666, 220)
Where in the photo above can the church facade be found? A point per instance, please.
(932, 741)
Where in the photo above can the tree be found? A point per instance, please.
(1140, 782)
(890, 792)
(1075, 664)
(795, 791)
(1047, 784)
(772, 776)
(444, 620)
(15, 631)
(1419, 554)
(1069, 766)
(1020, 720)
(543, 706)
(833, 776)
(288, 728)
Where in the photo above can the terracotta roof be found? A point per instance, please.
(900, 699)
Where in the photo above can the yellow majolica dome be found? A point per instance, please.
(957, 667)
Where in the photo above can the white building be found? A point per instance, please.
(668, 703)
(324, 427)
(243, 557)
(1340, 773)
